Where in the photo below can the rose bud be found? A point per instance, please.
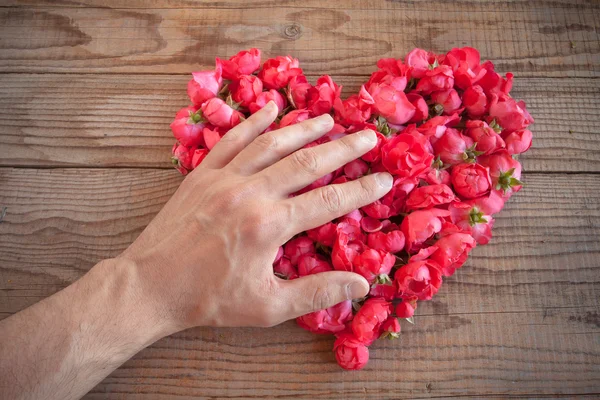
(374, 154)
(505, 173)
(518, 142)
(182, 158)
(439, 78)
(366, 324)
(245, 62)
(407, 155)
(345, 250)
(448, 99)
(205, 85)
(297, 91)
(218, 113)
(509, 114)
(324, 234)
(263, 98)
(391, 104)
(492, 82)
(489, 204)
(487, 139)
(421, 109)
(330, 320)
(419, 60)
(198, 156)
(392, 241)
(418, 279)
(277, 72)
(294, 117)
(436, 176)
(454, 148)
(245, 90)
(321, 97)
(471, 180)
(452, 251)
(187, 126)
(469, 218)
(356, 109)
(465, 66)
(391, 328)
(284, 269)
(429, 196)
(313, 264)
(298, 247)
(350, 353)
(407, 308)
(371, 263)
(475, 101)
(421, 225)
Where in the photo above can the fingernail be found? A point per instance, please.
(270, 106)
(325, 119)
(384, 179)
(369, 136)
(356, 290)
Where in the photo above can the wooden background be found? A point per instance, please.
(88, 88)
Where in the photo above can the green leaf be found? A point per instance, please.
(411, 319)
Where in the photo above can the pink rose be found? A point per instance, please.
(407, 155)
(492, 82)
(389, 240)
(211, 137)
(294, 117)
(391, 327)
(435, 127)
(205, 85)
(448, 99)
(429, 196)
(421, 108)
(374, 154)
(418, 279)
(437, 175)
(297, 91)
(509, 114)
(475, 101)
(355, 109)
(355, 169)
(421, 225)
(471, 180)
(439, 78)
(391, 104)
(419, 60)
(372, 263)
(313, 264)
(453, 147)
(366, 324)
(350, 353)
(246, 89)
(284, 269)
(465, 66)
(218, 113)
(277, 72)
(321, 97)
(518, 142)
(297, 247)
(245, 62)
(488, 141)
(198, 156)
(263, 98)
(330, 320)
(182, 158)
(325, 234)
(407, 308)
(505, 172)
(452, 251)
(187, 126)
(393, 202)
(469, 218)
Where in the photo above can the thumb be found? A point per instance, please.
(319, 291)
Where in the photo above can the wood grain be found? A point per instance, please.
(522, 317)
(531, 38)
(123, 120)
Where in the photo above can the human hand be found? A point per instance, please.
(206, 259)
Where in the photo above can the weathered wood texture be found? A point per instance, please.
(88, 88)
(536, 38)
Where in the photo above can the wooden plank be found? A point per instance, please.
(531, 38)
(521, 318)
(123, 120)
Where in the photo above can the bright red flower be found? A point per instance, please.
(245, 62)
(263, 98)
(246, 89)
(325, 234)
(218, 113)
(366, 324)
(505, 172)
(518, 142)
(355, 169)
(407, 308)
(421, 108)
(448, 99)
(392, 241)
(454, 147)
(294, 117)
(439, 78)
(356, 109)
(372, 263)
(350, 353)
(298, 247)
(465, 65)
(452, 251)
(391, 327)
(418, 279)
(313, 264)
(471, 180)
(492, 82)
(284, 269)
(487, 139)
(322, 96)
(419, 60)
(182, 158)
(187, 126)
(509, 114)
(391, 104)
(330, 320)
(198, 156)
(393, 202)
(429, 196)
(374, 154)
(421, 225)
(475, 101)
(297, 91)
(277, 72)
(407, 155)
(469, 218)
(205, 85)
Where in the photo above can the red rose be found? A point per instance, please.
(439, 78)
(429, 196)
(475, 101)
(313, 264)
(294, 117)
(435, 127)
(419, 226)
(218, 113)
(407, 155)
(211, 137)
(246, 89)
(350, 353)
(355, 109)
(205, 85)
(321, 97)
(465, 65)
(392, 241)
(489, 204)
(448, 99)
(355, 169)
(263, 98)
(518, 142)
(452, 251)
(277, 72)
(372, 263)
(297, 91)
(471, 180)
(245, 62)
(284, 269)
(437, 176)
(420, 279)
(391, 327)
(488, 141)
(391, 104)
(393, 202)
(505, 172)
(419, 60)
(509, 114)
(421, 108)
(324, 234)
(452, 148)
(198, 156)
(182, 158)
(406, 309)
(298, 247)
(187, 126)
(366, 324)
(469, 218)
(492, 82)
(330, 320)
(374, 154)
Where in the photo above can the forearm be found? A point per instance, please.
(63, 346)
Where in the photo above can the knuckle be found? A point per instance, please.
(321, 298)
(232, 136)
(348, 144)
(331, 197)
(266, 142)
(307, 160)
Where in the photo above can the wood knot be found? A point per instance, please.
(292, 31)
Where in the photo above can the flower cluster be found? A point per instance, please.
(448, 132)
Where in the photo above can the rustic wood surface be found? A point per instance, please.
(88, 88)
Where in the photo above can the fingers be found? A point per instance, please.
(307, 165)
(322, 205)
(317, 292)
(240, 136)
(273, 146)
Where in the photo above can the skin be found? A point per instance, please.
(205, 260)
